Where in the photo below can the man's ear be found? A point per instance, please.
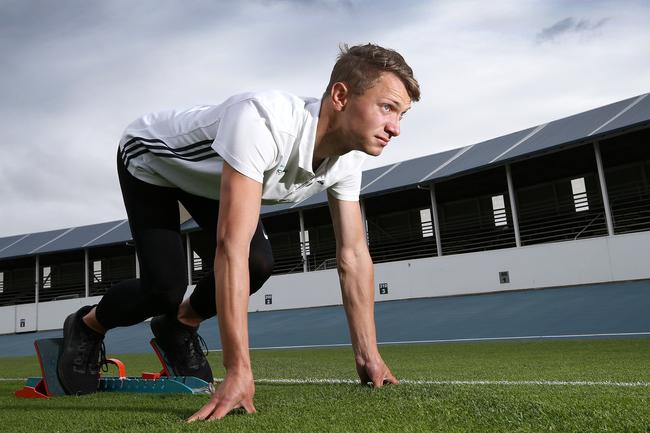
(340, 95)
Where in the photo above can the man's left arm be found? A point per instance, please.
(356, 276)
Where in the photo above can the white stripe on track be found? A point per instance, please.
(457, 382)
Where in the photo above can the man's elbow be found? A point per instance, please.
(352, 259)
(231, 250)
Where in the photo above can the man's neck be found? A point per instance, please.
(328, 141)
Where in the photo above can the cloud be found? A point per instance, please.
(567, 26)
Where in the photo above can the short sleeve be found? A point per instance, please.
(347, 188)
(244, 140)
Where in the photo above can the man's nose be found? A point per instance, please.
(392, 128)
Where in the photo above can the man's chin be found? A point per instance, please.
(373, 150)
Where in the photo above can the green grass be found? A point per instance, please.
(403, 408)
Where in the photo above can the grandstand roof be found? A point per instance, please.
(587, 126)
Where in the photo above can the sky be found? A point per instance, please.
(76, 72)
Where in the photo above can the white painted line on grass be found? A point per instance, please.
(456, 340)
(455, 382)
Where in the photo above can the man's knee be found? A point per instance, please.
(167, 293)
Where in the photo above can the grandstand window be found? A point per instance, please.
(580, 200)
(47, 282)
(425, 220)
(97, 271)
(2, 282)
(198, 263)
(499, 211)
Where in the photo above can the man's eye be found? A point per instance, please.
(386, 107)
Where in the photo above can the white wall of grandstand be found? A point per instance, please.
(561, 204)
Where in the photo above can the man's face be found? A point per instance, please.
(370, 120)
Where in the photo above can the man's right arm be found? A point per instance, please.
(239, 210)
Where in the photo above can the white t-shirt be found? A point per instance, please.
(267, 136)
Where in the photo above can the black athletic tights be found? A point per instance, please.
(154, 220)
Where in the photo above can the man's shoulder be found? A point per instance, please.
(282, 111)
(280, 103)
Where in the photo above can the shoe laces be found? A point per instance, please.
(102, 358)
(91, 354)
(197, 348)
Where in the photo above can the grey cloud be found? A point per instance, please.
(569, 25)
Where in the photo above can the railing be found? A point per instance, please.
(114, 270)
(471, 234)
(540, 224)
(320, 252)
(400, 243)
(326, 264)
(630, 205)
(589, 224)
(287, 259)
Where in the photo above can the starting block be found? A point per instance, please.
(48, 351)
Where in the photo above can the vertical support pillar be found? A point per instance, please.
(436, 221)
(137, 266)
(87, 271)
(513, 205)
(190, 258)
(603, 189)
(37, 286)
(303, 248)
(37, 279)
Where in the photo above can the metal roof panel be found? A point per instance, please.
(567, 130)
(27, 245)
(408, 172)
(120, 234)
(481, 154)
(639, 113)
(77, 237)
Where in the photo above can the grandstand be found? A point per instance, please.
(564, 203)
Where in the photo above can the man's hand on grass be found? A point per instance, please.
(376, 371)
(236, 391)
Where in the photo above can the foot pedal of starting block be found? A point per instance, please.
(167, 368)
(48, 351)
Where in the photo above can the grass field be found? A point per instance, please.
(441, 394)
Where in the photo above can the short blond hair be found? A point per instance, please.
(361, 65)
